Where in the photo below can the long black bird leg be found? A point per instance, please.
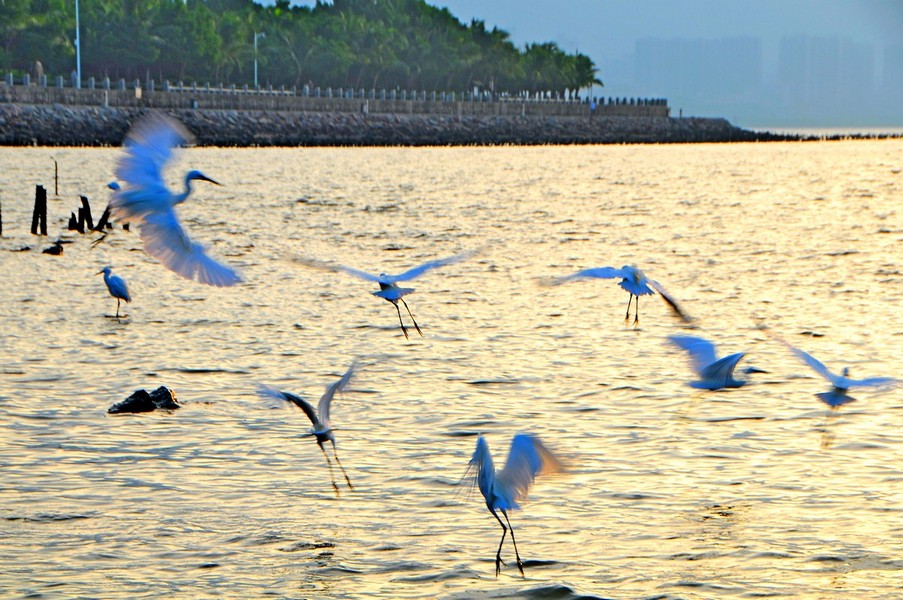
(636, 313)
(412, 317)
(348, 481)
(520, 563)
(627, 314)
(329, 462)
(400, 322)
(498, 553)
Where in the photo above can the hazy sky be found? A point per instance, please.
(609, 28)
(606, 30)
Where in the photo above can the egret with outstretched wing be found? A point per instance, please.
(504, 490)
(634, 281)
(388, 284)
(319, 418)
(714, 373)
(145, 198)
(842, 383)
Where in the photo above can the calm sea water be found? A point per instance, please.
(670, 493)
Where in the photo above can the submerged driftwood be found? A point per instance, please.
(161, 398)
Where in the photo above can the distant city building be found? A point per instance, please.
(825, 72)
(804, 80)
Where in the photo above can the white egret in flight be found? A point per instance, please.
(145, 198)
(322, 426)
(388, 284)
(503, 490)
(842, 383)
(116, 286)
(634, 281)
(713, 373)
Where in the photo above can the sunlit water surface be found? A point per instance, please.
(670, 493)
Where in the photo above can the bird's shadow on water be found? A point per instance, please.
(121, 319)
(542, 591)
(828, 428)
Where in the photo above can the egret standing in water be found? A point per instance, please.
(713, 373)
(388, 284)
(116, 286)
(634, 281)
(322, 426)
(504, 489)
(146, 199)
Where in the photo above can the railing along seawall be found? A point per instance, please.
(315, 99)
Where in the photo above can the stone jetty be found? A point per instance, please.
(72, 125)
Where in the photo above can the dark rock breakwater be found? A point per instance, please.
(61, 125)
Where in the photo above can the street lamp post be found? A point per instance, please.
(256, 37)
(78, 51)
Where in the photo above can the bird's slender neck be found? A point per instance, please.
(179, 198)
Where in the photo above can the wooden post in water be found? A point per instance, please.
(39, 216)
(104, 221)
(74, 224)
(84, 215)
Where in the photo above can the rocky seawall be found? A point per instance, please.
(64, 125)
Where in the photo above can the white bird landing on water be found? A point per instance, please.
(713, 373)
(842, 383)
(146, 199)
(634, 281)
(322, 426)
(388, 284)
(116, 286)
(503, 490)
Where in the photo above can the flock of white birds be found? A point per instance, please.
(144, 199)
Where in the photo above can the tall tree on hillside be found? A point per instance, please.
(46, 34)
(187, 37)
(346, 43)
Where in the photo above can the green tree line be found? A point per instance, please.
(405, 44)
